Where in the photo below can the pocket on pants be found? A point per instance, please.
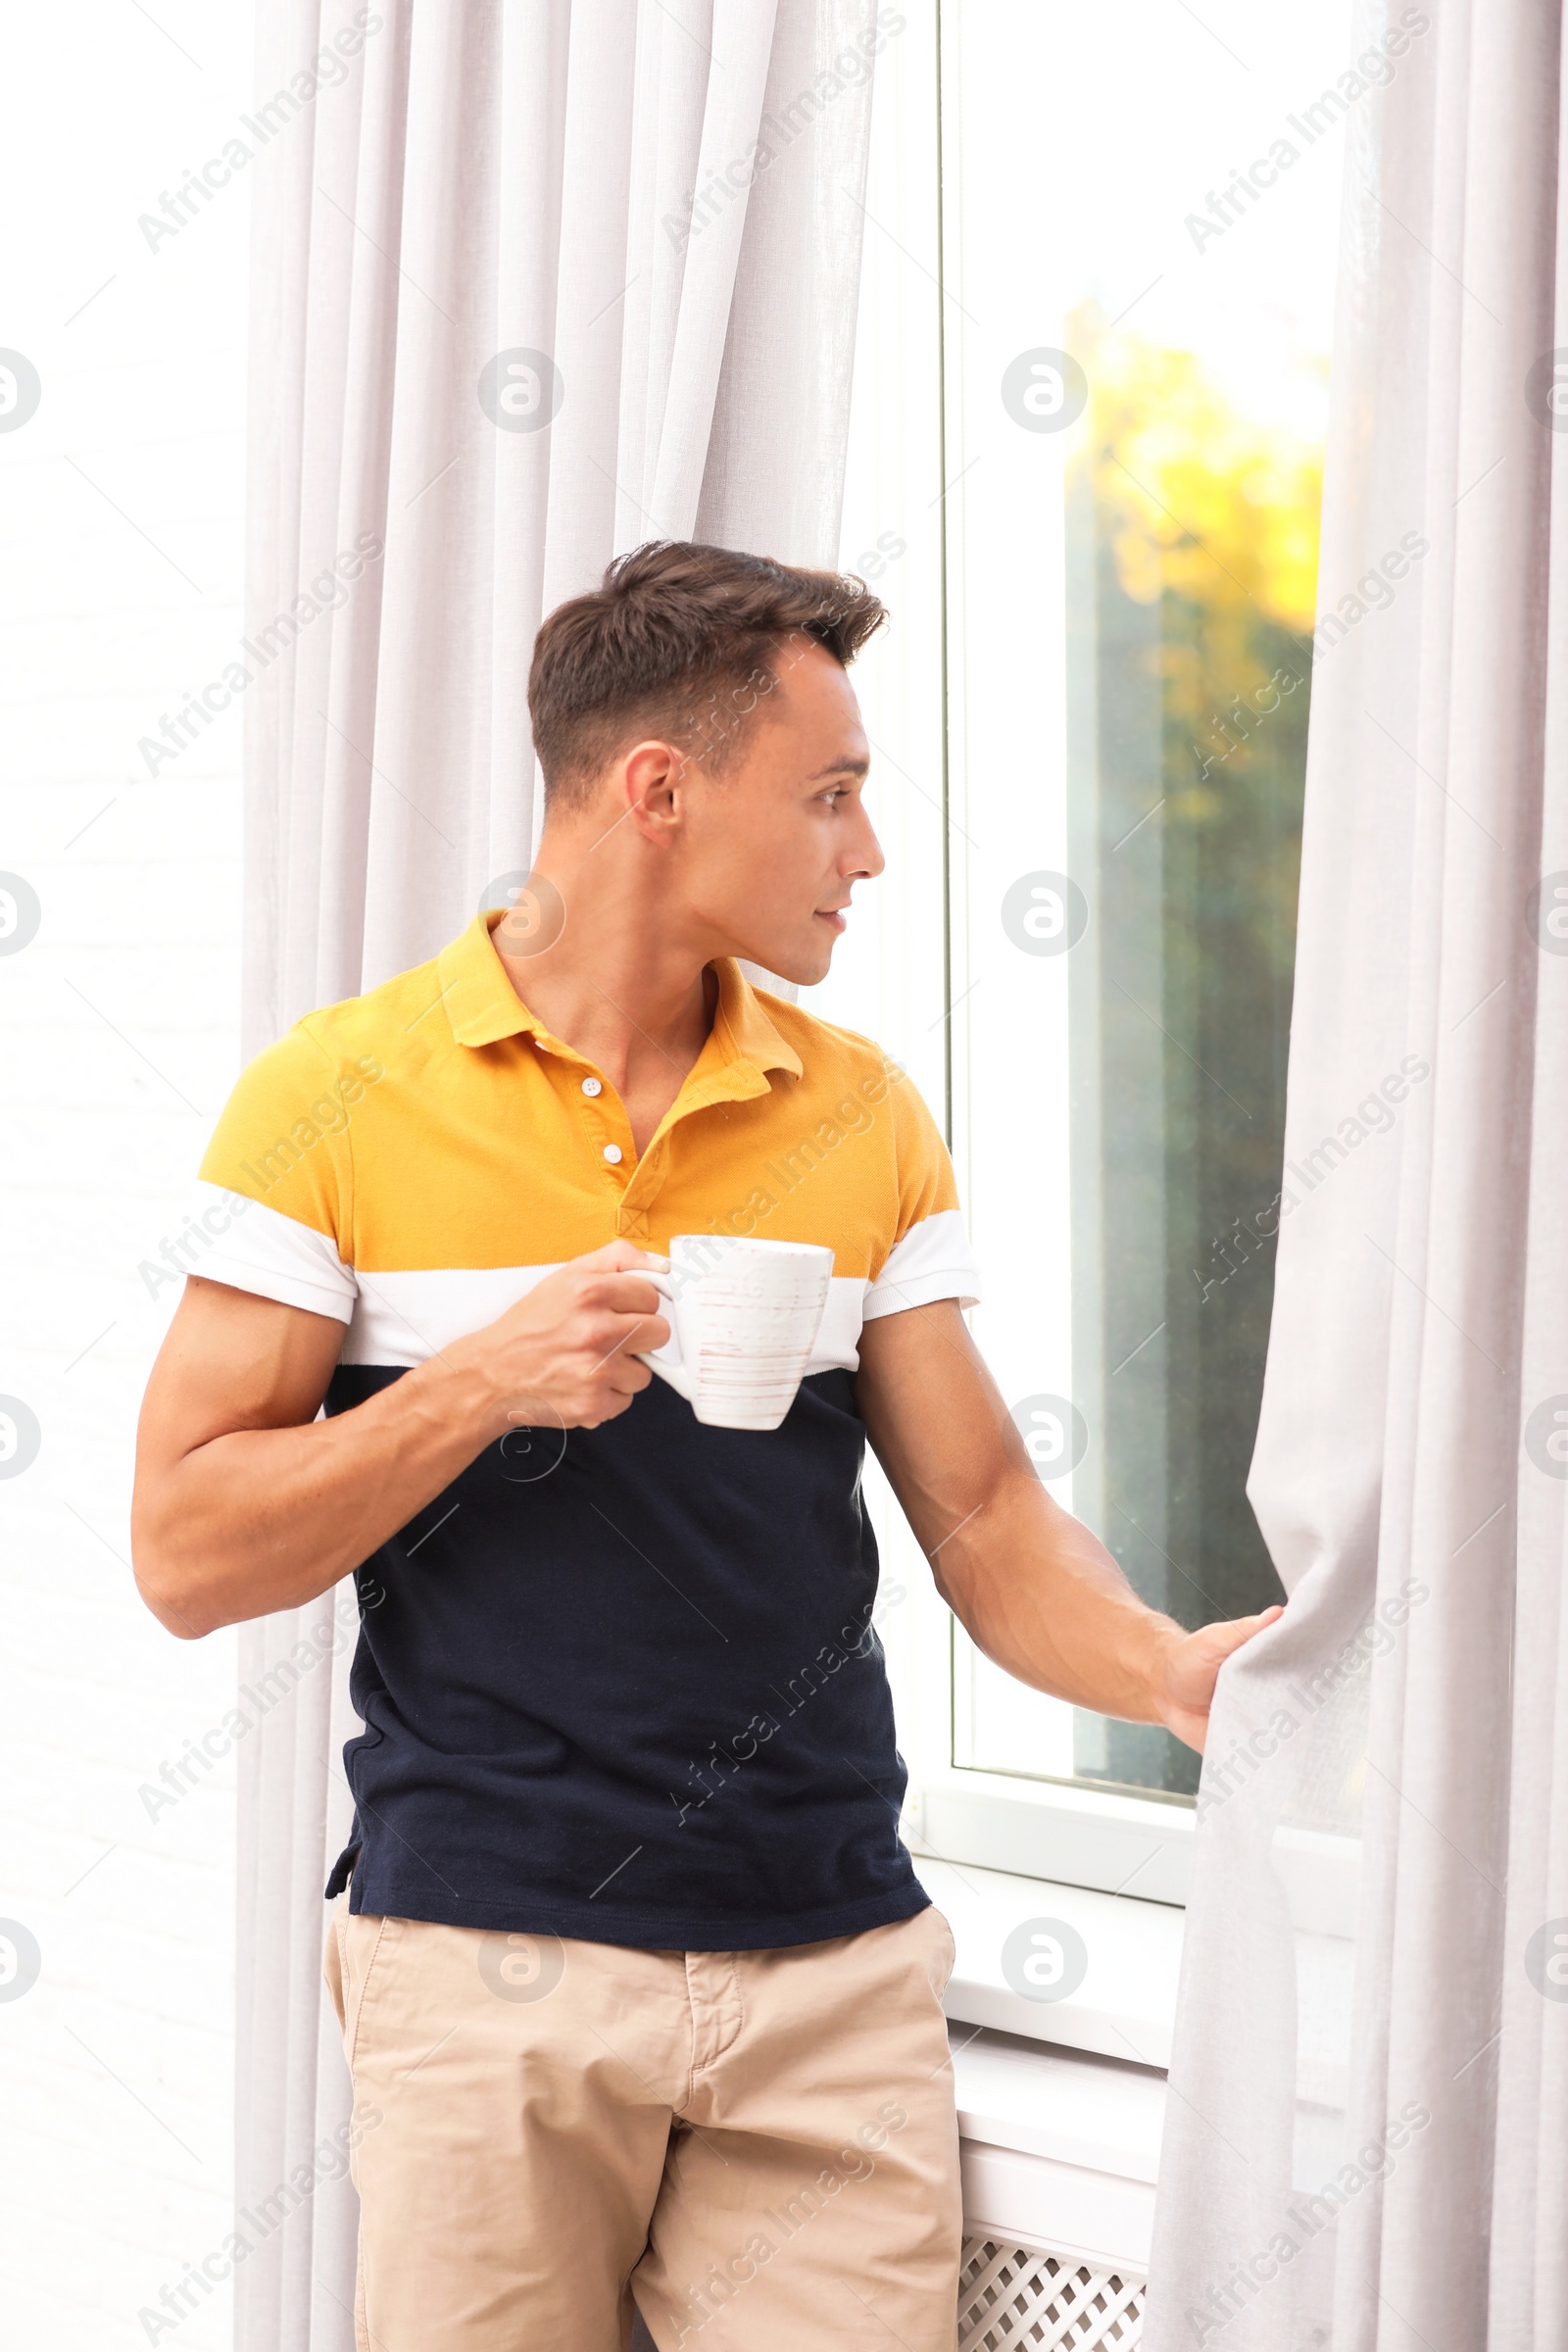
(947, 1956)
(366, 1944)
(332, 1957)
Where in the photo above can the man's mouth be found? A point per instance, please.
(831, 914)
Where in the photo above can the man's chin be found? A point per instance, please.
(803, 967)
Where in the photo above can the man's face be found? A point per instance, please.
(768, 849)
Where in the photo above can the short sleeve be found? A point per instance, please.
(277, 1200)
(930, 1257)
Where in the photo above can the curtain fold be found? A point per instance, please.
(1367, 2136)
(532, 280)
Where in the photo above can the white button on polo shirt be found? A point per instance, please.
(613, 1154)
(593, 1086)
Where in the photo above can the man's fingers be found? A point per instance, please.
(1194, 1665)
(1232, 1634)
(628, 1293)
(619, 1255)
(637, 1334)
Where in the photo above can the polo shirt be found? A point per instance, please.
(620, 1683)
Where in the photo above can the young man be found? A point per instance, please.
(639, 1989)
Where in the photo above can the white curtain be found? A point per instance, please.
(532, 280)
(1410, 2072)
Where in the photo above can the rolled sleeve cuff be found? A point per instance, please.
(252, 1248)
(932, 1262)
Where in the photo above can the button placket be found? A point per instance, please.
(617, 1155)
(608, 1126)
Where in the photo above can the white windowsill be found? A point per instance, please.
(1124, 2007)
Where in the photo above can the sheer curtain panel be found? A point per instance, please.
(1367, 2137)
(532, 280)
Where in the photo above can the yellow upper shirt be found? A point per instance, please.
(420, 1154)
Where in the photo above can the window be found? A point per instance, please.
(1085, 472)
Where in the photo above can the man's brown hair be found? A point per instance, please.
(679, 640)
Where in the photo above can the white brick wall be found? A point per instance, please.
(121, 528)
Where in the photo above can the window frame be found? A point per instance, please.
(905, 489)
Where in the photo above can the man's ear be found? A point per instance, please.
(651, 777)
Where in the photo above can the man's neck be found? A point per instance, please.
(617, 985)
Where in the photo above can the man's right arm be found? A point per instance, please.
(245, 1502)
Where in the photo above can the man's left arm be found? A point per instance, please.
(1035, 1588)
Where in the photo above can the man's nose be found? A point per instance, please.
(866, 858)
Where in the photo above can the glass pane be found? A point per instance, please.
(1192, 544)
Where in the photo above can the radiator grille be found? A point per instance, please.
(1014, 2299)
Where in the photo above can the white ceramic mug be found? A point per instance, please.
(744, 1317)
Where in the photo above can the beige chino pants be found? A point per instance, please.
(760, 2147)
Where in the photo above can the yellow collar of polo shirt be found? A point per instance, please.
(483, 1007)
